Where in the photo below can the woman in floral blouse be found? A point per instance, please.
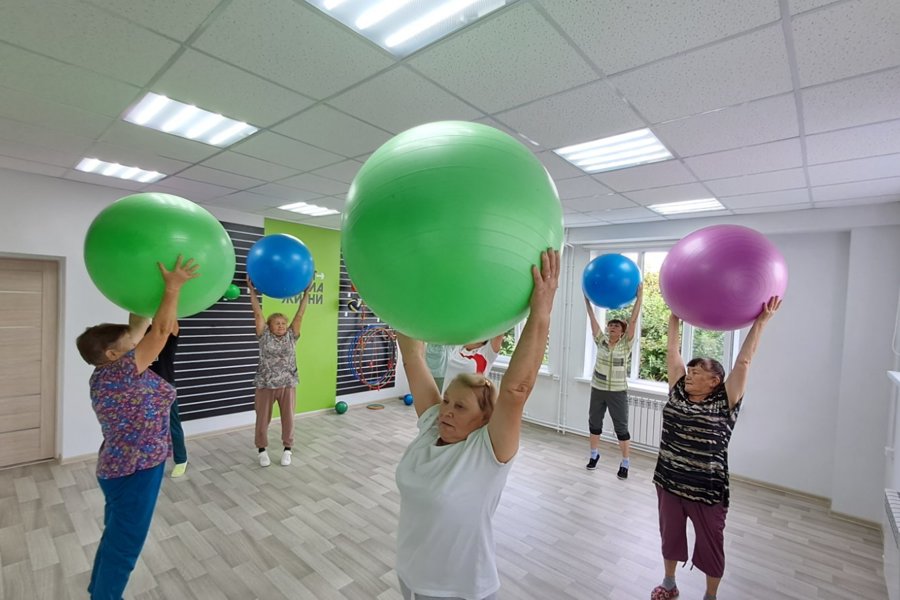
(132, 405)
(276, 377)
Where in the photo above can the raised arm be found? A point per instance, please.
(421, 384)
(506, 423)
(497, 342)
(736, 382)
(258, 318)
(635, 313)
(137, 327)
(595, 326)
(298, 317)
(165, 321)
(674, 363)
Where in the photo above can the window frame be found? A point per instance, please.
(731, 343)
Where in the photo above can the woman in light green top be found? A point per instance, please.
(609, 384)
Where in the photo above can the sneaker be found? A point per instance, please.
(661, 593)
(286, 458)
(592, 463)
(623, 472)
(179, 469)
(264, 460)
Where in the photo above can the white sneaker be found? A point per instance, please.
(286, 458)
(264, 460)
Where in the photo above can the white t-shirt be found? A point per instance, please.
(461, 360)
(448, 495)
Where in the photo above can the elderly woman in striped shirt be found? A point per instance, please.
(692, 469)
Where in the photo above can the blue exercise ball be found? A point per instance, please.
(408, 399)
(280, 265)
(611, 280)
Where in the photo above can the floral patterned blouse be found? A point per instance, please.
(133, 411)
(277, 360)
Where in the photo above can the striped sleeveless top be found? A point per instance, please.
(693, 450)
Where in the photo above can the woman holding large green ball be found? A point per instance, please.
(453, 473)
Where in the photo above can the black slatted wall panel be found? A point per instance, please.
(367, 354)
(217, 349)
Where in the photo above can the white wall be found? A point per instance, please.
(47, 218)
(785, 432)
(865, 392)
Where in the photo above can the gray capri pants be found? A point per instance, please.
(617, 402)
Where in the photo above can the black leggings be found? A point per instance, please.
(617, 402)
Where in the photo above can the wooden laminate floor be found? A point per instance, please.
(324, 528)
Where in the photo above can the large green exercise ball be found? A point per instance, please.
(441, 227)
(128, 237)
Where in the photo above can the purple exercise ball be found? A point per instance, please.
(719, 277)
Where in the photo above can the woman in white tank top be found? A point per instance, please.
(451, 476)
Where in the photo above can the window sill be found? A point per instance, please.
(501, 365)
(637, 385)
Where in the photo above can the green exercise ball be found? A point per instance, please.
(128, 237)
(232, 292)
(340, 407)
(441, 227)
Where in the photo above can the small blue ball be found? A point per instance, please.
(408, 399)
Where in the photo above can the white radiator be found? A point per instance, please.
(891, 528)
(644, 421)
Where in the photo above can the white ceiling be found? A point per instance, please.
(768, 105)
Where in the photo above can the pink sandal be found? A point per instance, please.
(661, 593)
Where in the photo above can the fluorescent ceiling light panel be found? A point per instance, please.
(312, 210)
(688, 206)
(99, 167)
(404, 26)
(188, 121)
(617, 152)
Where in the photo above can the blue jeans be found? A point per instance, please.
(179, 452)
(130, 501)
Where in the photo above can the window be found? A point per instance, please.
(511, 338)
(648, 358)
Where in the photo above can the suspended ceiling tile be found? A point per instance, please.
(220, 178)
(293, 45)
(853, 102)
(598, 203)
(660, 174)
(622, 35)
(53, 116)
(745, 68)
(400, 99)
(889, 186)
(248, 166)
(342, 171)
(86, 36)
(760, 182)
(216, 86)
(877, 167)
(332, 130)
(767, 199)
(734, 127)
(63, 83)
(514, 46)
(314, 183)
(172, 18)
(857, 142)
(587, 113)
(122, 133)
(672, 193)
(845, 39)
(285, 151)
(773, 156)
(579, 187)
